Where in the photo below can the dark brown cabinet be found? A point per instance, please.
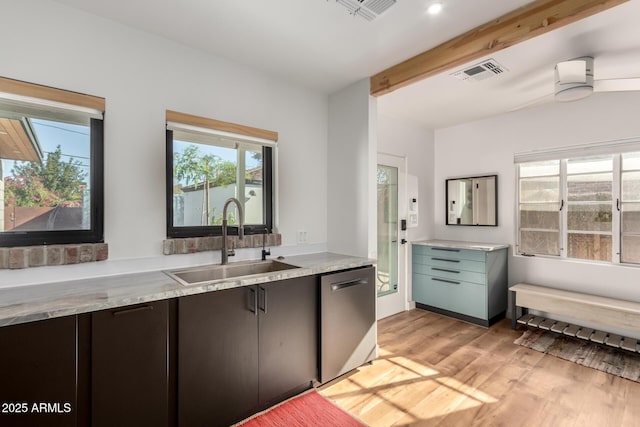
(209, 359)
(288, 337)
(38, 373)
(129, 366)
(217, 357)
(242, 349)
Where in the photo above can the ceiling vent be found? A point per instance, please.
(482, 71)
(367, 9)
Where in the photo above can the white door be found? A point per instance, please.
(391, 283)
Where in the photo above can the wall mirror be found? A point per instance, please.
(472, 200)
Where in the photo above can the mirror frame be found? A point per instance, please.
(446, 200)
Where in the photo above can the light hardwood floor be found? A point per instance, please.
(437, 371)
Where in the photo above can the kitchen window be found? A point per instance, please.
(51, 161)
(208, 162)
(583, 206)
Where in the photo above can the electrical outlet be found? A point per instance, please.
(302, 237)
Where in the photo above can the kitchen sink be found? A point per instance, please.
(217, 272)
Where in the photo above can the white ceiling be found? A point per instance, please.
(316, 43)
(612, 37)
(312, 42)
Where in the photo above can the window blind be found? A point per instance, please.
(583, 150)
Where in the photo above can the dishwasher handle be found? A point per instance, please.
(348, 284)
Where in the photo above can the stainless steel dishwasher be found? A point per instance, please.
(348, 321)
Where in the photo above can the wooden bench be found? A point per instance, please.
(611, 312)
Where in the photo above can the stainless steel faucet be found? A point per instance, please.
(226, 253)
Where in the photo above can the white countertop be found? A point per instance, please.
(478, 246)
(36, 302)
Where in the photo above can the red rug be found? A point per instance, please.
(307, 410)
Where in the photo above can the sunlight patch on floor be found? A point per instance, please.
(471, 392)
(415, 367)
(398, 389)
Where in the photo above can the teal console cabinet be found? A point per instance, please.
(464, 280)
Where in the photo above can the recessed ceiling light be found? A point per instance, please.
(435, 8)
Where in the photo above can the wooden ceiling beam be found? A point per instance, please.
(534, 19)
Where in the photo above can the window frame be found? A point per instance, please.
(268, 154)
(616, 206)
(58, 98)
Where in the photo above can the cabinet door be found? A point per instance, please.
(38, 373)
(129, 365)
(288, 337)
(217, 357)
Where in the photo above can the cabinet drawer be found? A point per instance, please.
(469, 298)
(457, 264)
(449, 263)
(452, 253)
(452, 272)
(461, 297)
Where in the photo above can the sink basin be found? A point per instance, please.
(213, 273)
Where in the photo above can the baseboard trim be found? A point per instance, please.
(463, 317)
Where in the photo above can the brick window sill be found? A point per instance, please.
(203, 244)
(38, 256)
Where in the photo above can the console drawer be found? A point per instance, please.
(451, 272)
(442, 252)
(466, 298)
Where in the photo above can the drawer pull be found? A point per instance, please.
(453, 282)
(262, 299)
(132, 310)
(446, 249)
(446, 270)
(253, 301)
(446, 260)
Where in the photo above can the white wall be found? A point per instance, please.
(416, 144)
(141, 75)
(487, 147)
(351, 206)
